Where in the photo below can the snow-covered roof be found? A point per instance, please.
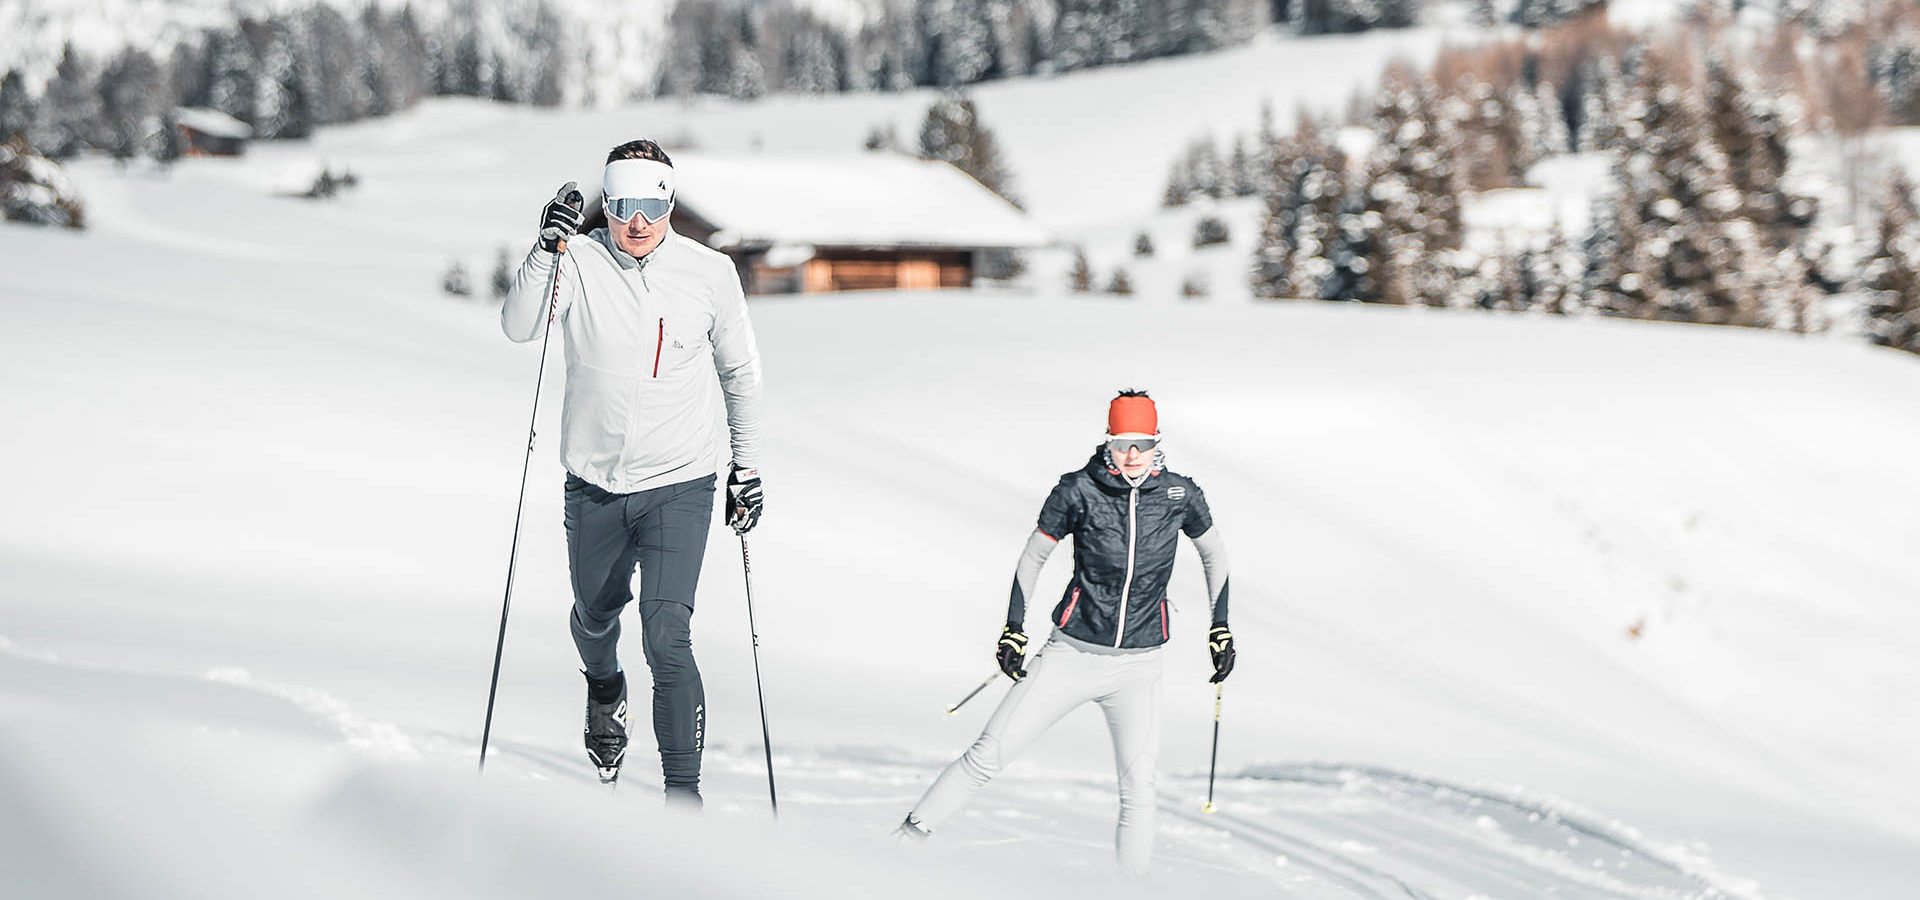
(212, 122)
(863, 200)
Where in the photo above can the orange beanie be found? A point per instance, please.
(1132, 413)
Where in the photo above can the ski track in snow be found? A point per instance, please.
(1309, 830)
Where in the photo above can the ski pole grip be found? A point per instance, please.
(570, 195)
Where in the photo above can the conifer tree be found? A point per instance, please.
(16, 107)
(69, 108)
(952, 131)
(231, 74)
(1892, 269)
(1414, 188)
(129, 102)
(1695, 252)
(1080, 277)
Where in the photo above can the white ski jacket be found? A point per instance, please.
(652, 345)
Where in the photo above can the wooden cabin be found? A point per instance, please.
(872, 221)
(210, 132)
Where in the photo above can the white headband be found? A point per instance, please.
(639, 179)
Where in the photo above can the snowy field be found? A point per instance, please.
(260, 477)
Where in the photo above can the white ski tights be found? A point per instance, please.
(1059, 678)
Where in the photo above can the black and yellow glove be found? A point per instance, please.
(1011, 652)
(1220, 645)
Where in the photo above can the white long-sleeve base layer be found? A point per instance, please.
(1062, 676)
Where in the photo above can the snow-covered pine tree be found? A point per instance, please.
(882, 137)
(1894, 65)
(1603, 98)
(1207, 171)
(69, 108)
(232, 73)
(1753, 128)
(1273, 253)
(1414, 187)
(407, 76)
(1536, 126)
(35, 189)
(334, 78)
(1143, 245)
(749, 80)
(1606, 284)
(1696, 251)
(1210, 231)
(1079, 35)
(130, 102)
(1353, 261)
(455, 281)
(1488, 135)
(962, 41)
(1120, 285)
(280, 98)
(952, 131)
(1180, 189)
(16, 107)
(809, 66)
(1891, 271)
(373, 64)
(1243, 175)
(1080, 277)
(1320, 183)
(1556, 271)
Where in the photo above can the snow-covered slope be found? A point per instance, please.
(259, 479)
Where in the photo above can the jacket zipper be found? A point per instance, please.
(658, 345)
(1126, 589)
(1070, 605)
(1163, 620)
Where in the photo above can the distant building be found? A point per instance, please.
(210, 132)
(873, 221)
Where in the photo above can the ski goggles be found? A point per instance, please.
(652, 209)
(1121, 445)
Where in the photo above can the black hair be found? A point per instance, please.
(1134, 392)
(641, 149)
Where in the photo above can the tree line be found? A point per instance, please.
(1701, 223)
(284, 75)
(288, 73)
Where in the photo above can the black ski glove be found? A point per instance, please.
(562, 217)
(743, 499)
(1220, 644)
(1011, 652)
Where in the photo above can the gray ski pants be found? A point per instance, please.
(664, 532)
(1061, 677)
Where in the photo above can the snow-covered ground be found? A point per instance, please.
(259, 481)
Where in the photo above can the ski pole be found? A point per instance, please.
(1213, 763)
(572, 197)
(746, 565)
(974, 693)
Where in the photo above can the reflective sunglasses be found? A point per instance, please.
(1122, 445)
(652, 209)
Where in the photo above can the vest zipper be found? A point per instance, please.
(658, 345)
(1070, 605)
(1126, 589)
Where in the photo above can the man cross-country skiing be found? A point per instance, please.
(1125, 511)
(656, 333)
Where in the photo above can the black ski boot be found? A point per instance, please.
(606, 729)
(684, 797)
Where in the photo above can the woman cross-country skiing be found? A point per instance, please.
(1125, 511)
